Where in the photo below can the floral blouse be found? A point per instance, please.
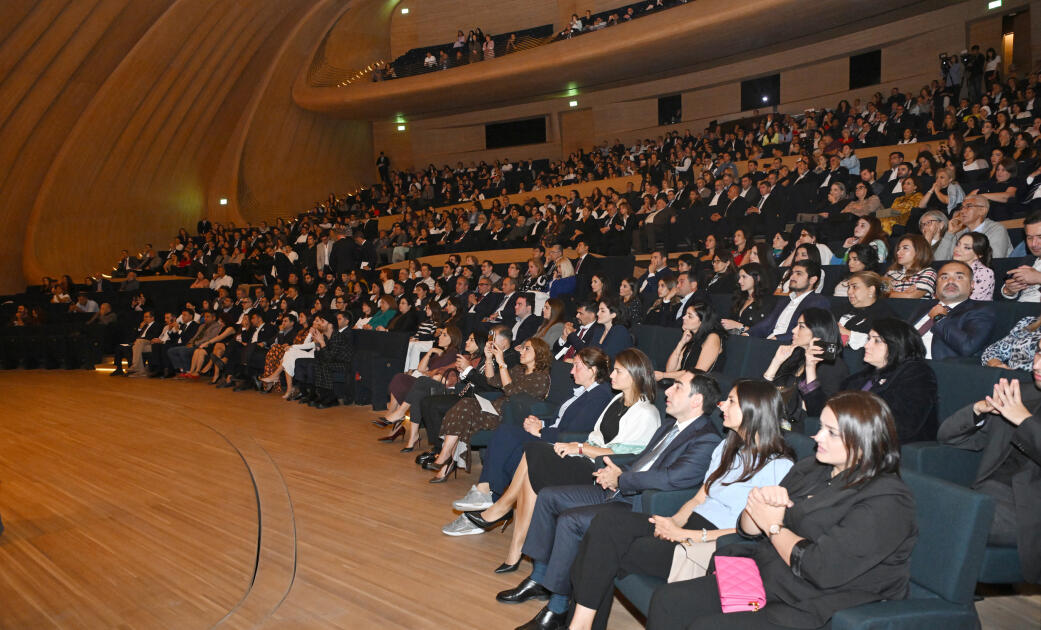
(982, 282)
(924, 280)
(1015, 349)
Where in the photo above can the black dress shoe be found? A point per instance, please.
(325, 404)
(118, 373)
(546, 619)
(423, 458)
(526, 590)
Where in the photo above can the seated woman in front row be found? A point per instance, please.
(836, 533)
(753, 454)
(530, 376)
(626, 426)
(578, 414)
(700, 346)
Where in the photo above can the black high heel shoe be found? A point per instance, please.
(507, 568)
(474, 516)
(382, 422)
(413, 446)
(399, 431)
(451, 469)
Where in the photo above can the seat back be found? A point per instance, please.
(953, 523)
(961, 384)
(803, 446)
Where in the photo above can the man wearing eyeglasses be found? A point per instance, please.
(973, 218)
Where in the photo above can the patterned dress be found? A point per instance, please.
(273, 358)
(1016, 349)
(923, 280)
(466, 418)
(982, 282)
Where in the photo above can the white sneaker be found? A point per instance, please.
(474, 500)
(461, 527)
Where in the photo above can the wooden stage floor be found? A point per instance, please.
(140, 503)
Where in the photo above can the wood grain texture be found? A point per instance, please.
(122, 120)
(137, 503)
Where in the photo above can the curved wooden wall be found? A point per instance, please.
(122, 120)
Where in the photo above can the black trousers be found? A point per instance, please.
(434, 409)
(694, 605)
(617, 544)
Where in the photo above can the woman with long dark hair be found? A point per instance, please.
(753, 300)
(753, 454)
(836, 533)
(700, 346)
(803, 365)
(899, 374)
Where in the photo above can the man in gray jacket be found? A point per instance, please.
(973, 218)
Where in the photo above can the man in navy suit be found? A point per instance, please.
(572, 340)
(648, 283)
(802, 286)
(677, 457)
(578, 414)
(953, 326)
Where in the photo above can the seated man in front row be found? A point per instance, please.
(563, 513)
(1006, 426)
(953, 326)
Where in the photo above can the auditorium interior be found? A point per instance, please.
(554, 314)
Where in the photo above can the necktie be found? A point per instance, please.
(579, 265)
(572, 351)
(648, 458)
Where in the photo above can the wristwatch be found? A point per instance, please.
(774, 530)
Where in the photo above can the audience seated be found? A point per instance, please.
(851, 545)
(700, 347)
(677, 456)
(753, 454)
(805, 274)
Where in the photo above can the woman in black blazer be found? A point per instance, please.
(724, 276)
(407, 319)
(663, 310)
(898, 373)
(836, 533)
(754, 299)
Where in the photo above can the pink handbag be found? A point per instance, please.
(740, 586)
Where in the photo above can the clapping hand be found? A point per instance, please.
(1007, 401)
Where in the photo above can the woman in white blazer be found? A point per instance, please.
(625, 426)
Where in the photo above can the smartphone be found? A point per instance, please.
(831, 349)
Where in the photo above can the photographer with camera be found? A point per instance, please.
(974, 63)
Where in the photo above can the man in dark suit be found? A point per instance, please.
(342, 253)
(147, 330)
(252, 363)
(835, 173)
(802, 190)
(572, 340)
(953, 326)
(1007, 428)
(186, 329)
(648, 283)
(765, 216)
(676, 457)
(585, 266)
(802, 286)
(527, 323)
(366, 253)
